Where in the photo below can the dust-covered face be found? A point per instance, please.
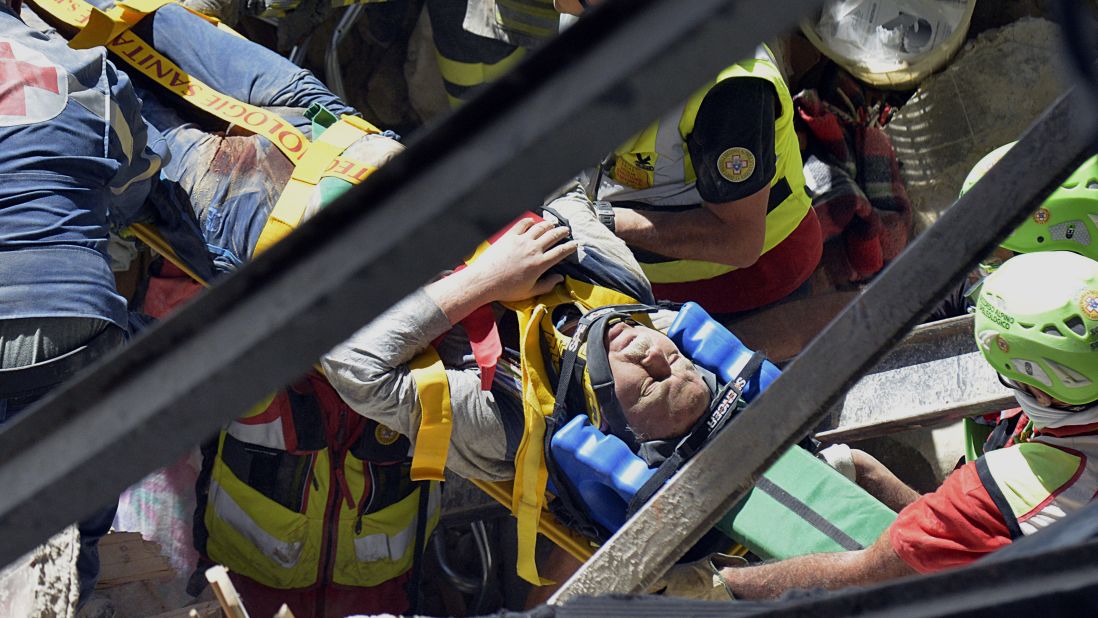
(661, 393)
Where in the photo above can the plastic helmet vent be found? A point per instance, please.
(1031, 369)
(1067, 376)
(1052, 331)
(1075, 324)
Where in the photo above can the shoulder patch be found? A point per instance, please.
(736, 164)
(32, 89)
(384, 435)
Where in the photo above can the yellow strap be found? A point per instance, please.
(321, 160)
(291, 204)
(550, 527)
(348, 169)
(435, 423)
(151, 237)
(99, 28)
(531, 475)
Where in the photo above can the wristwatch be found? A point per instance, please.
(605, 212)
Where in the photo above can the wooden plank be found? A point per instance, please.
(227, 597)
(209, 609)
(125, 557)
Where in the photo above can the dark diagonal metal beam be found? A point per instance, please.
(718, 477)
(562, 108)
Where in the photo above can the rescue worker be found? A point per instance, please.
(477, 41)
(1036, 324)
(74, 166)
(711, 197)
(304, 501)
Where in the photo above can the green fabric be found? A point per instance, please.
(330, 188)
(771, 530)
(975, 436)
(321, 118)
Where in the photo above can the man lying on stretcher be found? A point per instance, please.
(578, 363)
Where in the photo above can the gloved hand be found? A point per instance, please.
(699, 580)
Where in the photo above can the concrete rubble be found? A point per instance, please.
(996, 86)
(43, 583)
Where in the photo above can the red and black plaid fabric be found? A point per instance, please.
(854, 178)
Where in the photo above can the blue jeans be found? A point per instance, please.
(36, 356)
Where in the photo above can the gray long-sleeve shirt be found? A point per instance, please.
(371, 374)
(370, 370)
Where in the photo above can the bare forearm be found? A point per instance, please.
(880, 482)
(460, 293)
(690, 235)
(874, 564)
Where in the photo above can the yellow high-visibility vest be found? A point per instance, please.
(656, 161)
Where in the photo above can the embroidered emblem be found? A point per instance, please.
(1088, 302)
(736, 164)
(385, 436)
(1041, 216)
(1003, 345)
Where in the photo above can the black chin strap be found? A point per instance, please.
(592, 330)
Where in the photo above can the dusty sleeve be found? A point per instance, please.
(370, 371)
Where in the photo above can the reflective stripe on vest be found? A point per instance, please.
(284, 553)
(381, 546)
(463, 79)
(257, 427)
(1038, 483)
(533, 19)
(654, 167)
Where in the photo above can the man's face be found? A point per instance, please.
(660, 392)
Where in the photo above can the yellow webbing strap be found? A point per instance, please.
(112, 30)
(348, 169)
(528, 499)
(315, 164)
(550, 527)
(151, 237)
(435, 423)
(538, 399)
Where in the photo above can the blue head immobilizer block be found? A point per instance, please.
(605, 473)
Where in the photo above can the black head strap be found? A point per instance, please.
(721, 410)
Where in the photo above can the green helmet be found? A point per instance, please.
(1037, 323)
(1067, 221)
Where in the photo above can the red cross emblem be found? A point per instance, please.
(16, 76)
